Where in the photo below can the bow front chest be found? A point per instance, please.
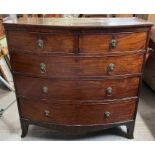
(77, 75)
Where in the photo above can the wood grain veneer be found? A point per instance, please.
(77, 74)
(77, 66)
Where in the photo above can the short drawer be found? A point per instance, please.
(118, 42)
(77, 114)
(73, 66)
(41, 42)
(62, 89)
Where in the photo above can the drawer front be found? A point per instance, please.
(76, 89)
(41, 42)
(77, 114)
(97, 43)
(55, 66)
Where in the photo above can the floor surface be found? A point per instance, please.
(144, 128)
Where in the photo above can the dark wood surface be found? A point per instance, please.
(60, 42)
(80, 22)
(77, 114)
(76, 54)
(76, 89)
(88, 43)
(77, 66)
(96, 43)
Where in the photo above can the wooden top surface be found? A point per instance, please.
(79, 22)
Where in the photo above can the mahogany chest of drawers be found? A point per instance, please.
(77, 75)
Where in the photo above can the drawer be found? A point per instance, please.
(77, 114)
(41, 42)
(72, 66)
(79, 89)
(120, 42)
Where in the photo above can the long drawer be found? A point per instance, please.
(79, 89)
(89, 42)
(77, 114)
(66, 66)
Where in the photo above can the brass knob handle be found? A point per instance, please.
(106, 115)
(109, 91)
(113, 43)
(42, 67)
(110, 67)
(40, 43)
(45, 89)
(46, 113)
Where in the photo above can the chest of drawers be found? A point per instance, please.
(77, 75)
